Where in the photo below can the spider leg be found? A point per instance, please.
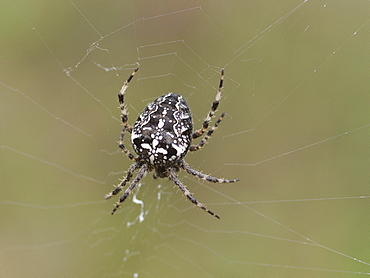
(124, 116)
(119, 187)
(128, 191)
(200, 175)
(124, 149)
(208, 135)
(199, 132)
(172, 176)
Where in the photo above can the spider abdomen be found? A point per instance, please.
(161, 135)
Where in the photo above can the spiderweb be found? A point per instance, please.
(295, 133)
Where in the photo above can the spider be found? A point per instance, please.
(161, 137)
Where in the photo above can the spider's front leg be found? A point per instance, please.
(144, 168)
(124, 116)
(173, 177)
(202, 176)
(119, 187)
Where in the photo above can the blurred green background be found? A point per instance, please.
(296, 134)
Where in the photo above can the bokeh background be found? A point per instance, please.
(296, 134)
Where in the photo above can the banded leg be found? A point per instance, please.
(215, 104)
(202, 176)
(124, 116)
(208, 135)
(129, 190)
(128, 177)
(172, 176)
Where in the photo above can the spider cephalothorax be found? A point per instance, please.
(161, 137)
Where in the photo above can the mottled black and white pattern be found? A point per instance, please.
(161, 137)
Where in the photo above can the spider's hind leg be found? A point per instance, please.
(211, 113)
(124, 116)
(208, 135)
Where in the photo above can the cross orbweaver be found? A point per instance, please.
(161, 137)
